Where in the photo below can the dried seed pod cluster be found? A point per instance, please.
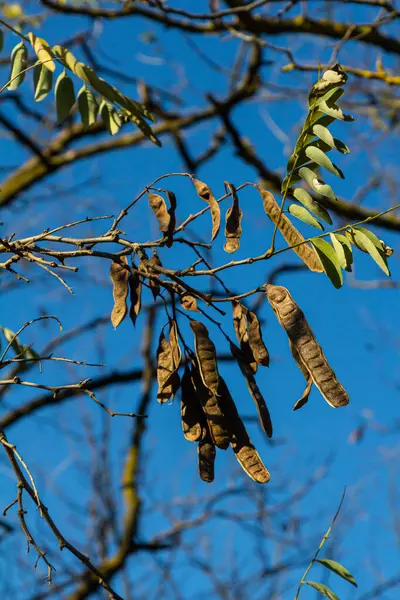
(305, 348)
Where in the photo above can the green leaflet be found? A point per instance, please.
(316, 155)
(302, 214)
(323, 589)
(329, 260)
(42, 81)
(312, 205)
(325, 135)
(65, 96)
(110, 117)
(329, 106)
(316, 183)
(343, 251)
(88, 107)
(376, 252)
(338, 569)
(42, 51)
(19, 59)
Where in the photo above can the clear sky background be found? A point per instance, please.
(358, 328)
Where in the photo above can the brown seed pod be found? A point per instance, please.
(289, 232)
(168, 362)
(135, 287)
(172, 221)
(210, 403)
(233, 219)
(256, 342)
(206, 356)
(206, 194)
(262, 408)
(146, 267)
(120, 278)
(206, 452)
(194, 424)
(309, 351)
(159, 207)
(189, 302)
(240, 326)
(246, 454)
(304, 398)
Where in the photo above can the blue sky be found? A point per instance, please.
(357, 328)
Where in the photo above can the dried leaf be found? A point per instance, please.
(119, 277)
(289, 232)
(233, 219)
(262, 409)
(135, 287)
(194, 424)
(246, 454)
(206, 451)
(206, 355)
(310, 352)
(256, 342)
(206, 194)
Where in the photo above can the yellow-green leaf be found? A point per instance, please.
(42, 81)
(323, 589)
(302, 214)
(316, 155)
(316, 183)
(110, 117)
(338, 569)
(376, 254)
(65, 96)
(329, 260)
(42, 51)
(343, 251)
(88, 107)
(19, 59)
(312, 205)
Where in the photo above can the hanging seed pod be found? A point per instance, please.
(233, 219)
(159, 207)
(246, 454)
(310, 352)
(262, 408)
(206, 452)
(304, 398)
(168, 362)
(189, 302)
(194, 424)
(146, 267)
(135, 287)
(206, 194)
(210, 403)
(119, 277)
(289, 232)
(172, 218)
(206, 356)
(240, 326)
(256, 342)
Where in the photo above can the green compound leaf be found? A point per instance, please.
(329, 260)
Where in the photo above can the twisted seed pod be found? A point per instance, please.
(289, 232)
(262, 408)
(206, 452)
(189, 302)
(310, 352)
(240, 326)
(206, 194)
(119, 277)
(168, 362)
(246, 454)
(206, 356)
(146, 267)
(172, 221)
(304, 398)
(135, 286)
(159, 207)
(256, 342)
(211, 405)
(194, 424)
(233, 219)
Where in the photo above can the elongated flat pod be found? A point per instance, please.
(262, 408)
(168, 362)
(213, 412)
(233, 219)
(194, 424)
(310, 352)
(206, 194)
(159, 207)
(135, 287)
(289, 232)
(242, 334)
(146, 267)
(256, 341)
(206, 457)
(245, 452)
(120, 277)
(206, 356)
